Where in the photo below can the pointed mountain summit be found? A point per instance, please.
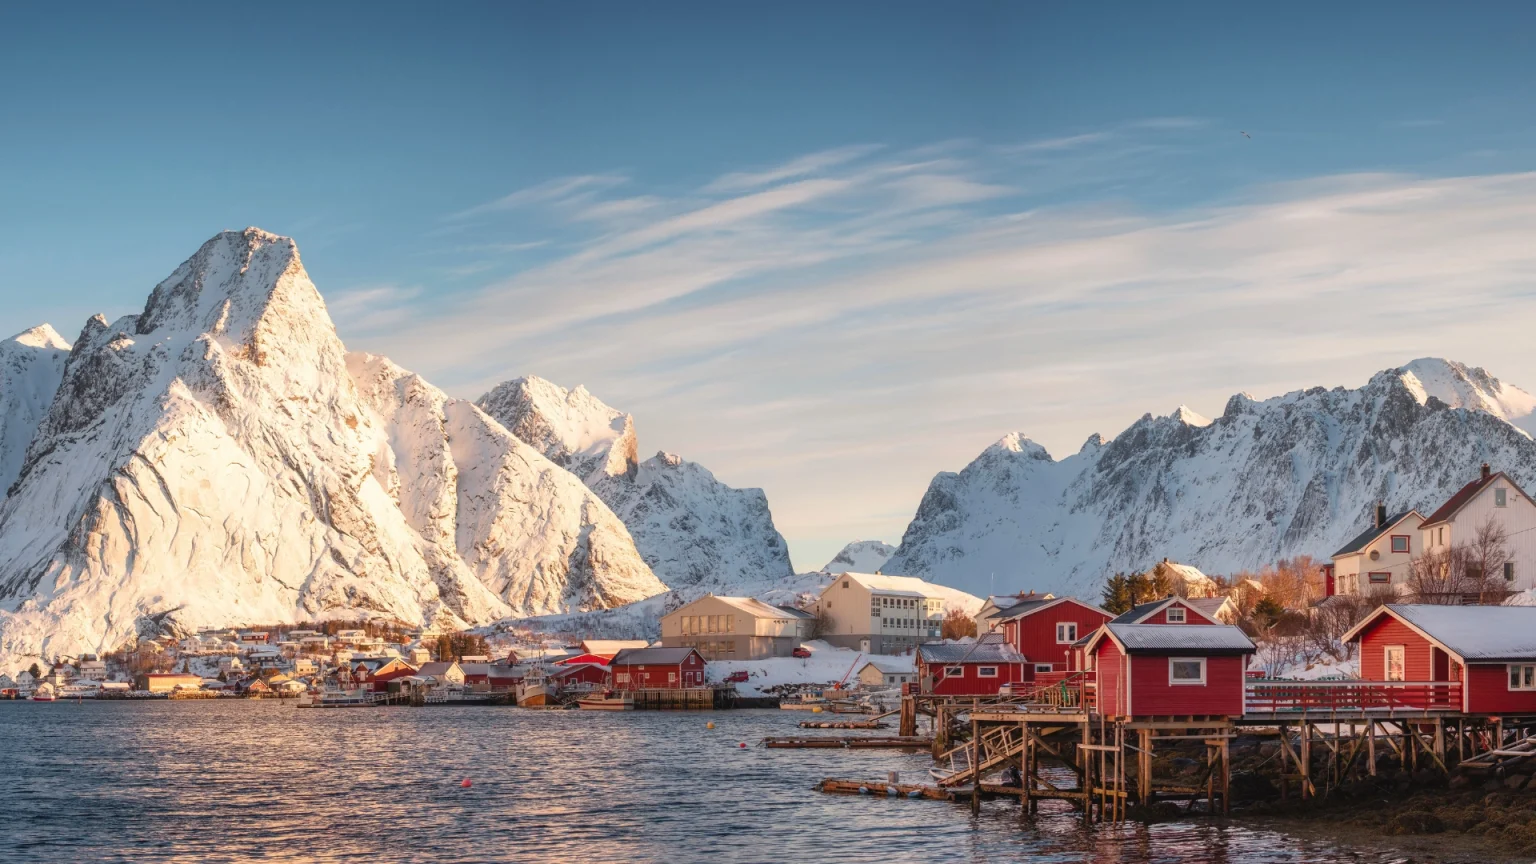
(31, 367)
(1293, 475)
(211, 461)
(695, 532)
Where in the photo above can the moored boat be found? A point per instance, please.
(608, 700)
(535, 691)
(43, 693)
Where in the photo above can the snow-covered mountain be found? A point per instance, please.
(212, 461)
(31, 366)
(861, 556)
(696, 533)
(1296, 474)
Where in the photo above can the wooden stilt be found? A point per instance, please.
(975, 765)
(1370, 745)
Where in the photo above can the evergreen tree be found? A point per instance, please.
(36, 671)
(1116, 598)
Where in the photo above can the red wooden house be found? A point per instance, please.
(584, 658)
(1473, 659)
(580, 676)
(978, 668)
(1169, 610)
(378, 680)
(1149, 670)
(1044, 630)
(666, 668)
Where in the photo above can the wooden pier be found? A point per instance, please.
(852, 742)
(684, 699)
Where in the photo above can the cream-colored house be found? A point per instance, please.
(1379, 559)
(887, 673)
(732, 628)
(1494, 499)
(879, 614)
(1185, 580)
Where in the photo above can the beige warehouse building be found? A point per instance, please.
(735, 628)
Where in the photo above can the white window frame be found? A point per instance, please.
(1386, 662)
(1186, 682)
(1183, 616)
(1045, 667)
(954, 671)
(986, 671)
(1524, 673)
(1069, 628)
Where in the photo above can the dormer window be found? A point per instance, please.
(1175, 614)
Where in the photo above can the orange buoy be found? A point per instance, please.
(466, 784)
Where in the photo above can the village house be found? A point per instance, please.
(607, 649)
(1219, 610)
(396, 669)
(92, 668)
(446, 674)
(886, 673)
(974, 668)
(1044, 630)
(1149, 670)
(731, 628)
(653, 668)
(165, 682)
(1183, 579)
(1475, 659)
(580, 676)
(1378, 560)
(987, 616)
(1494, 500)
(878, 614)
(1169, 610)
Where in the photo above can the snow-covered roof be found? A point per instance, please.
(1165, 638)
(610, 646)
(987, 651)
(1211, 607)
(1477, 634)
(754, 607)
(889, 667)
(906, 585)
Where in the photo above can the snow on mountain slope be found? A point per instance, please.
(695, 532)
(530, 531)
(209, 462)
(1296, 474)
(861, 556)
(570, 427)
(31, 366)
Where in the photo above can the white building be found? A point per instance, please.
(1379, 559)
(879, 614)
(1491, 499)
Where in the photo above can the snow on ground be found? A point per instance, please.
(826, 665)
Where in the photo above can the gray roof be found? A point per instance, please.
(1136, 613)
(796, 613)
(1364, 538)
(986, 651)
(1167, 638)
(1480, 634)
(1018, 609)
(643, 656)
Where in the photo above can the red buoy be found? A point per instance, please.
(466, 784)
(742, 745)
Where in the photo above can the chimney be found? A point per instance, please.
(1485, 470)
(1381, 515)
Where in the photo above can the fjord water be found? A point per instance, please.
(236, 780)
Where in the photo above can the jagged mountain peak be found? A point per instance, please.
(1189, 417)
(860, 556)
(572, 428)
(41, 336)
(1293, 474)
(1021, 444)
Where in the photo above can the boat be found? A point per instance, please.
(807, 702)
(535, 691)
(335, 699)
(43, 693)
(608, 700)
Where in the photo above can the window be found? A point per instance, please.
(986, 671)
(1500, 497)
(1186, 670)
(621, 678)
(671, 677)
(1066, 632)
(1509, 571)
(1044, 667)
(730, 623)
(1400, 543)
(1395, 663)
(1380, 578)
(845, 583)
(954, 671)
(1442, 535)
(1175, 614)
(1522, 676)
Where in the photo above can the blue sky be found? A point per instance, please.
(826, 249)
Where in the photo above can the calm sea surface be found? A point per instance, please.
(239, 780)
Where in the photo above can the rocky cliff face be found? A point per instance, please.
(1297, 474)
(31, 366)
(696, 533)
(211, 461)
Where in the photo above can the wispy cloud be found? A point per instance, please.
(557, 191)
(809, 164)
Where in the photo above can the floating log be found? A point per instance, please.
(850, 741)
(884, 789)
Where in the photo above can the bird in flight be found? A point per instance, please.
(1245, 134)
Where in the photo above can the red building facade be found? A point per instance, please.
(1043, 631)
(970, 668)
(657, 668)
(1473, 659)
(1149, 670)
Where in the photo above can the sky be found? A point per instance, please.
(827, 250)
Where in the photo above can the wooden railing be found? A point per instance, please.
(1070, 690)
(1324, 697)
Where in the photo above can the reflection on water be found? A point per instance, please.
(227, 781)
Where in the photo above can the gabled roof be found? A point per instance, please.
(646, 656)
(900, 585)
(986, 651)
(609, 647)
(1211, 607)
(1369, 535)
(889, 667)
(436, 668)
(1138, 614)
(1464, 495)
(1214, 639)
(1473, 634)
(796, 613)
(1029, 607)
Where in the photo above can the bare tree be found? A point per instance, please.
(1470, 572)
